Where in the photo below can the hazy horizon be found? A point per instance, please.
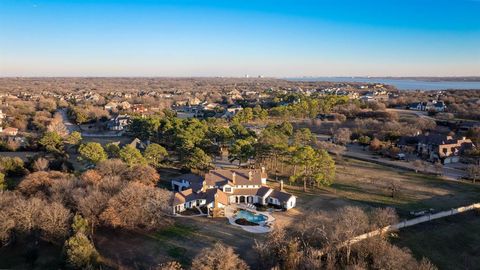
(287, 39)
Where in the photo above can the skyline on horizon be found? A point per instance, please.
(211, 38)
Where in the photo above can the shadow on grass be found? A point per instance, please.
(175, 231)
(450, 243)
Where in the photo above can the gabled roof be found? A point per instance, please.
(439, 104)
(245, 191)
(209, 195)
(185, 196)
(434, 139)
(189, 177)
(10, 130)
(195, 180)
(221, 177)
(280, 195)
(137, 143)
(263, 191)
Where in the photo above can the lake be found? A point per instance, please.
(401, 84)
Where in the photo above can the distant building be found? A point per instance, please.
(139, 108)
(231, 112)
(433, 105)
(10, 131)
(138, 144)
(185, 111)
(110, 106)
(125, 105)
(2, 116)
(438, 147)
(119, 123)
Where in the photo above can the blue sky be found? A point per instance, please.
(234, 38)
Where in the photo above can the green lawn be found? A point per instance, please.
(450, 243)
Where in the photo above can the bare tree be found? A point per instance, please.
(112, 167)
(393, 187)
(7, 222)
(438, 168)
(92, 177)
(138, 207)
(144, 174)
(418, 165)
(173, 265)
(473, 172)
(342, 136)
(41, 164)
(218, 257)
(382, 217)
(322, 238)
(39, 183)
(278, 251)
(54, 221)
(91, 204)
(25, 213)
(350, 222)
(56, 125)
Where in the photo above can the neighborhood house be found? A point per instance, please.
(222, 187)
(438, 147)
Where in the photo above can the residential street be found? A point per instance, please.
(69, 125)
(450, 171)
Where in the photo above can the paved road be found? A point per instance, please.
(356, 151)
(421, 114)
(71, 127)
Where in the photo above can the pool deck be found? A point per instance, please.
(229, 214)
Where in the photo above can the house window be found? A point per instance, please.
(228, 189)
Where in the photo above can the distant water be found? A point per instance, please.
(401, 84)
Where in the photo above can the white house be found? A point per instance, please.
(227, 186)
(432, 105)
(120, 122)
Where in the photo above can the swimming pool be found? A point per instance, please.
(252, 217)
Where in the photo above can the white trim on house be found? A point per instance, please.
(248, 193)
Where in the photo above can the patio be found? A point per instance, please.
(263, 227)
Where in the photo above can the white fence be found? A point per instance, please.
(411, 222)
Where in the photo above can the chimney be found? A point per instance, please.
(281, 185)
(250, 176)
(263, 169)
(233, 177)
(204, 186)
